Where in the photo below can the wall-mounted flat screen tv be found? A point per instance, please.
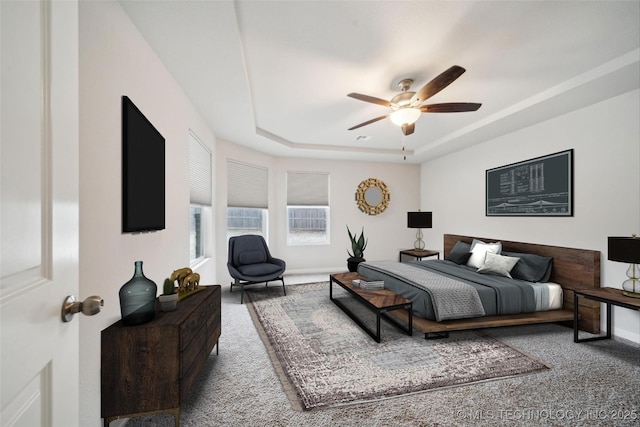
(143, 172)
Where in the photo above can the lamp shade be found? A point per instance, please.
(419, 219)
(624, 249)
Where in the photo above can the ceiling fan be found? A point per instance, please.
(406, 107)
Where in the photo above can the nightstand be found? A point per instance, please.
(608, 296)
(419, 254)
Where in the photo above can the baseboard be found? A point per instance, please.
(327, 270)
(624, 335)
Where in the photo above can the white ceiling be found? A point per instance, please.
(274, 75)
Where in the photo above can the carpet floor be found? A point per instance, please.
(324, 359)
(589, 384)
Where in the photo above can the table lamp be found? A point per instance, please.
(419, 220)
(627, 249)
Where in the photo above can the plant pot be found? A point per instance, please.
(168, 302)
(352, 263)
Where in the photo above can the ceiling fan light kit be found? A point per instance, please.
(406, 107)
(405, 116)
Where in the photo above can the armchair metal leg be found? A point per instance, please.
(238, 283)
(242, 284)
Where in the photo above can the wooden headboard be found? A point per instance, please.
(572, 269)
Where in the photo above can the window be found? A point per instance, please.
(247, 197)
(307, 208)
(307, 225)
(200, 177)
(196, 234)
(246, 221)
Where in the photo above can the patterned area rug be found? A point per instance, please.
(324, 359)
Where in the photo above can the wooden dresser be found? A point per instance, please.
(150, 368)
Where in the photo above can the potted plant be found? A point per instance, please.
(358, 244)
(169, 298)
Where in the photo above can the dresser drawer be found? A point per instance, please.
(193, 351)
(213, 321)
(200, 355)
(209, 308)
(191, 327)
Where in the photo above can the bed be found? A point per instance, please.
(540, 291)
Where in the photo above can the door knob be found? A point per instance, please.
(88, 307)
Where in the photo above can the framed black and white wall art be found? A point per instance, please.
(542, 186)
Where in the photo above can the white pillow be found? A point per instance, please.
(479, 250)
(498, 265)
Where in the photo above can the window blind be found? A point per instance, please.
(200, 175)
(247, 185)
(307, 189)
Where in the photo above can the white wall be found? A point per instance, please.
(114, 61)
(387, 232)
(606, 142)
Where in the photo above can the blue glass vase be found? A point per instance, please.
(138, 298)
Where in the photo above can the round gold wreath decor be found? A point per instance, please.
(372, 184)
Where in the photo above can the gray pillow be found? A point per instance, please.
(498, 265)
(460, 253)
(532, 268)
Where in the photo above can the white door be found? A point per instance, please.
(38, 212)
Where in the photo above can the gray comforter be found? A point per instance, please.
(450, 298)
(498, 295)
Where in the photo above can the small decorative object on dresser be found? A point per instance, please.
(188, 282)
(138, 298)
(627, 249)
(358, 245)
(169, 298)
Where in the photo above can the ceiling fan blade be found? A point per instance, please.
(408, 129)
(437, 84)
(450, 107)
(368, 122)
(372, 99)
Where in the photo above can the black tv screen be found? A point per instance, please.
(143, 172)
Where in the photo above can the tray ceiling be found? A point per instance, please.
(274, 75)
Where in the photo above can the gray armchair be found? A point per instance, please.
(250, 262)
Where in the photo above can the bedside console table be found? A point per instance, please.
(418, 255)
(150, 368)
(609, 296)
